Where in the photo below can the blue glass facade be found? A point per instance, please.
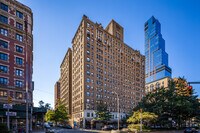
(156, 63)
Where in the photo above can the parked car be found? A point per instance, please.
(116, 127)
(59, 125)
(67, 127)
(191, 130)
(108, 127)
(49, 129)
(50, 124)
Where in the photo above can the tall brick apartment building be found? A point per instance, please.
(103, 65)
(56, 93)
(16, 53)
(66, 81)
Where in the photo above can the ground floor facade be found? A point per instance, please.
(17, 118)
(86, 118)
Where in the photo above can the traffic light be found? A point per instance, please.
(190, 89)
(9, 99)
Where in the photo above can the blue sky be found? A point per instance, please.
(56, 21)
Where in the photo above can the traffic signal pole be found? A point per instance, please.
(8, 113)
(8, 120)
(193, 83)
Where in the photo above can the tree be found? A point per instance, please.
(46, 106)
(60, 114)
(171, 103)
(49, 116)
(41, 104)
(147, 118)
(102, 113)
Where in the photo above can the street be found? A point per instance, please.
(98, 131)
(73, 131)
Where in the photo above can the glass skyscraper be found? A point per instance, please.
(156, 63)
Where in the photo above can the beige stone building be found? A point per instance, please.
(56, 93)
(152, 86)
(66, 81)
(103, 64)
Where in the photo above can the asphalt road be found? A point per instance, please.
(73, 131)
(98, 131)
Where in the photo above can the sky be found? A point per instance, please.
(56, 21)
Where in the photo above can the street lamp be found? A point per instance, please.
(117, 107)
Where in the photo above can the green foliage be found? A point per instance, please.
(146, 117)
(60, 114)
(42, 105)
(102, 113)
(49, 116)
(167, 103)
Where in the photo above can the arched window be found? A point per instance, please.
(157, 85)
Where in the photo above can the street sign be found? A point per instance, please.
(7, 106)
(11, 113)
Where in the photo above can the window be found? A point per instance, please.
(18, 72)
(19, 26)
(3, 81)
(19, 49)
(19, 61)
(88, 66)
(88, 87)
(4, 32)
(88, 45)
(88, 59)
(3, 93)
(88, 52)
(151, 87)
(4, 7)
(88, 100)
(88, 80)
(88, 38)
(3, 19)
(92, 94)
(19, 37)
(88, 114)
(88, 24)
(88, 72)
(18, 83)
(157, 85)
(3, 56)
(3, 69)
(19, 14)
(3, 44)
(19, 95)
(88, 94)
